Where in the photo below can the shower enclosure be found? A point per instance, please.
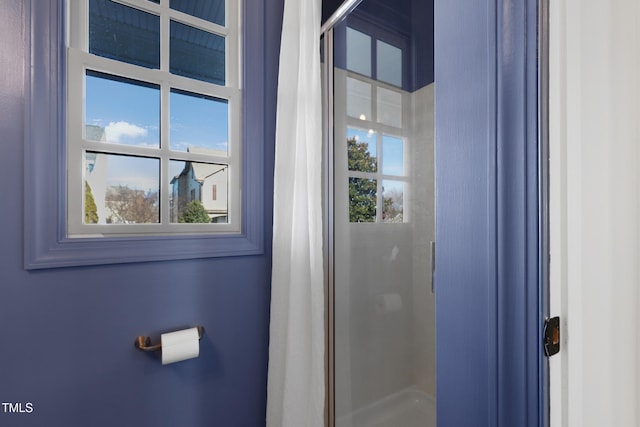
(379, 115)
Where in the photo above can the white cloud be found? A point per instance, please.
(116, 130)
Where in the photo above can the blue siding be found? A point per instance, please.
(67, 334)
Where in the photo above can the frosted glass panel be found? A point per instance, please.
(389, 65)
(389, 107)
(358, 99)
(358, 52)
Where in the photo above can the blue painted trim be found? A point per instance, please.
(466, 349)
(518, 234)
(46, 245)
(487, 285)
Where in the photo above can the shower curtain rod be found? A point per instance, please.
(344, 9)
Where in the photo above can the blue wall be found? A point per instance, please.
(66, 335)
(328, 7)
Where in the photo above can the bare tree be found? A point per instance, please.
(393, 201)
(131, 206)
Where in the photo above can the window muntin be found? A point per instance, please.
(183, 112)
(377, 176)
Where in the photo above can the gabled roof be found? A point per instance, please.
(202, 171)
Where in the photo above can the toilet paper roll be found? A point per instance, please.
(180, 345)
(388, 303)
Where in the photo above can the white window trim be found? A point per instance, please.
(46, 243)
(79, 61)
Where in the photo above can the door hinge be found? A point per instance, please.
(551, 338)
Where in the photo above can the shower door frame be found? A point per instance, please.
(505, 377)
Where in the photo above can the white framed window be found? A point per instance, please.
(47, 239)
(154, 107)
(377, 130)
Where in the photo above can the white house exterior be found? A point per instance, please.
(205, 182)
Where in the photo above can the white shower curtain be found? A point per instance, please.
(296, 379)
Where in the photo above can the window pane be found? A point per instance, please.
(389, 64)
(358, 99)
(358, 52)
(198, 121)
(197, 54)
(361, 150)
(210, 10)
(121, 111)
(198, 192)
(362, 199)
(389, 107)
(123, 33)
(392, 201)
(121, 189)
(392, 156)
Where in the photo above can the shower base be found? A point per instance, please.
(407, 408)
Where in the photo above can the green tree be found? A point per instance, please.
(90, 208)
(194, 212)
(360, 159)
(362, 191)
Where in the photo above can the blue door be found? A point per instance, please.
(489, 360)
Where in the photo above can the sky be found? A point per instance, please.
(130, 114)
(392, 156)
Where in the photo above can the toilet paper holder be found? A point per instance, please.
(144, 343)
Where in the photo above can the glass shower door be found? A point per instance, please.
(382, 223)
